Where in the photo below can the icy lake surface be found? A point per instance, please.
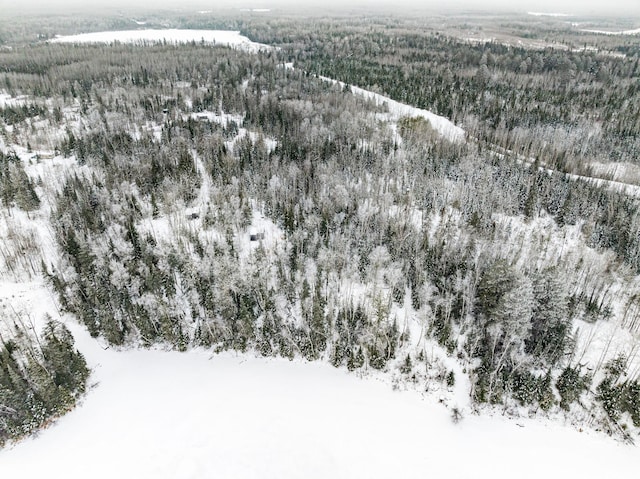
(219, 37)
(170, 415)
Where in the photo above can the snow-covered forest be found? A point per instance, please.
(292, 198)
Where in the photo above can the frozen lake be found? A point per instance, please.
(218, 37)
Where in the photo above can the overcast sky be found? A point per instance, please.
(618, 7)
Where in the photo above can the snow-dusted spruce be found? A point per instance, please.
(221, 200)
(41, 373)
(40, 377)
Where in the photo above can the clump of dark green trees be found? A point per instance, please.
(40, 378)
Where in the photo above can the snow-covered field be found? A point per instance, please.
(547, 14)
(608, 32)
(7, 100)
(219, 37)
(162, 415)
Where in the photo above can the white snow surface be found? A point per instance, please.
(7, 100)
(156, 414)
(222, 119)
(546, 14)
(606, 32)
(220, 37)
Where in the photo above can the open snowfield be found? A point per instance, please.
(162, 415)
(220, 37)
(621, 32)
(548, 14)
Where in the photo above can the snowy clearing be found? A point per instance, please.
(545, 14)
(219, 37)
(164, 415)
(7, 100)
(223, 119)
(605, 32)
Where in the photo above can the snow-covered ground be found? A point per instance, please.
(608, 32)
(219, 37)
(159, 415)
(222, 119)
(7, 100)
(548, 14)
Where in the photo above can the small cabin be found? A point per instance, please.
(256, 236)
